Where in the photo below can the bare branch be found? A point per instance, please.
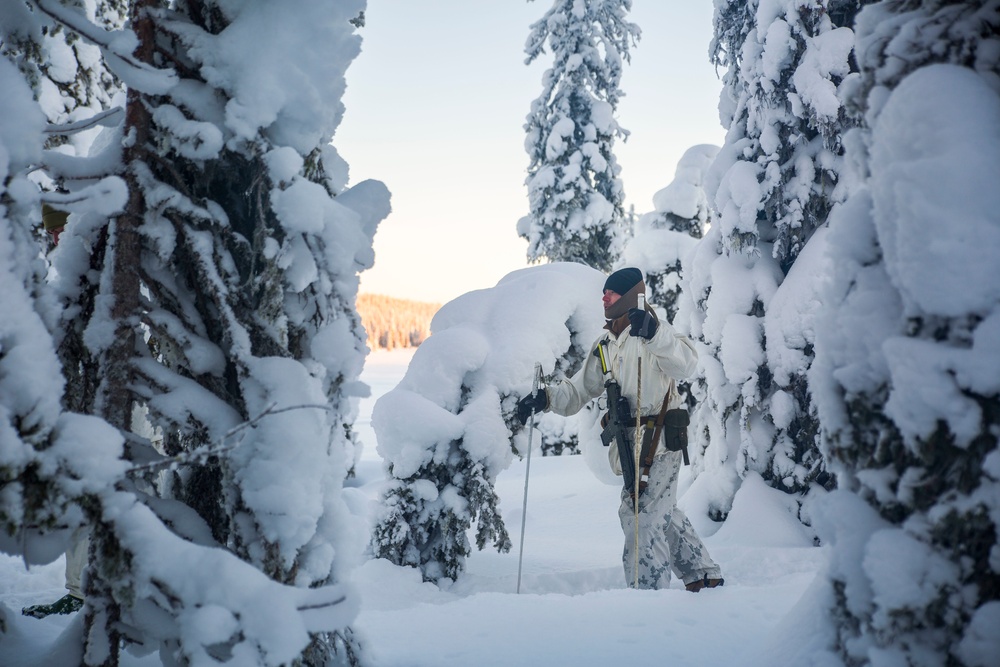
(324, 605)
(108, 118)
(204, 453)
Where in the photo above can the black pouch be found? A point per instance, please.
(675, 429)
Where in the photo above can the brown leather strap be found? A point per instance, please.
(648, 459)
(649, 444)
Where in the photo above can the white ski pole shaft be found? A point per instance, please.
(638, 423)
(527, 469)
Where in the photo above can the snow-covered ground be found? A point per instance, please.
(573, 607)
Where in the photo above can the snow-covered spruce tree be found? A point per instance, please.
(906, 377)
(448, 429)
(238, 253)
(772, 185)
(574, 190)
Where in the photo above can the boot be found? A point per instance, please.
(67, 604)
(696, 586)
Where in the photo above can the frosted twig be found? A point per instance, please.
(106, 118)
(203, 453)
(323, 605)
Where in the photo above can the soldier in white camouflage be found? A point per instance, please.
(666, 539)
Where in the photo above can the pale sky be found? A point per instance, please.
(435, 109)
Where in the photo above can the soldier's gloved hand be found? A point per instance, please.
(644, 323)
(536, 402)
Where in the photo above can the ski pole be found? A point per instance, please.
(527, 469)
(638, 422)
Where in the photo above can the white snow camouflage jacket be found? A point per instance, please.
(666, 357)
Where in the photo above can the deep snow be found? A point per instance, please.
(573, 607)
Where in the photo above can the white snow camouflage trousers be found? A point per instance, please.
(667, 540)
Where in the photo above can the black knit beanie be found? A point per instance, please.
(628, 284)
(622, 280)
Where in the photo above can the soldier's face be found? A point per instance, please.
(610, 298)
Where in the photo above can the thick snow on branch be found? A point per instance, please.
(281, 64)
(482, 348)
(117, 48)
(106, 197)
(224, 604)
(935, 165)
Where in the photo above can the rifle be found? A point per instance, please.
(616, 430)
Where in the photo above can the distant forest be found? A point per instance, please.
(393, 323)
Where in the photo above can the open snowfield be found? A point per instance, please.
(573, 607)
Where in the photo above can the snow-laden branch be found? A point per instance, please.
(117, 47)
(108, 118)
(202, 454)
(59, 165)
(106, 197)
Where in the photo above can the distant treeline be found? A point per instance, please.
(393, 323)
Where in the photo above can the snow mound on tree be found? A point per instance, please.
(762, 516)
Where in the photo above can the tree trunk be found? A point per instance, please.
(102, 637)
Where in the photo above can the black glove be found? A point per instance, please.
(531, 403)
(644, 323)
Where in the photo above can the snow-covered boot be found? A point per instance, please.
(67, 604)
(696, 586)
